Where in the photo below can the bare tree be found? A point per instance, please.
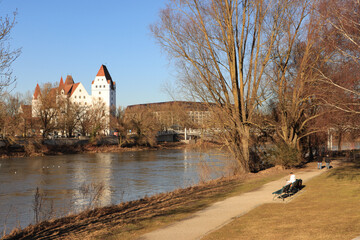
(175, 114)
(144, 125)
(10, 115)
(341, 36)
(118, 123)
(85, 122)
(97, 120)
(294, 80)
(46, 108)
(7, 55)
(223, 48)
(70, 114)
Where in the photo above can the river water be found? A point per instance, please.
(67, 183)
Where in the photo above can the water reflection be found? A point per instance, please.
(125, 176)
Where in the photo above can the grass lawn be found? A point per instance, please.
(328, 208)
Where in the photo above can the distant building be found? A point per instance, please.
(103, 90)
(177, 113)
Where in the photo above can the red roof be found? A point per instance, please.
(69, 86)
(61, 84)
(69, 89)
(37, 91)
(103, 72)
(74, 86)
(69, 80)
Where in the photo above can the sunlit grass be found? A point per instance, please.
(327, 209)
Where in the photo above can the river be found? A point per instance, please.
(67, 183)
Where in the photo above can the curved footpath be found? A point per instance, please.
(221, 213)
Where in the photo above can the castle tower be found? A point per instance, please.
(103, 88)
(35, 101)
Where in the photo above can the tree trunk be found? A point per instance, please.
(245, 137)
(240, 148)
(339, 140)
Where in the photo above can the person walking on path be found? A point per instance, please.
(327, 161)
(319, 162)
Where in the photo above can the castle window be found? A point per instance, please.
(75, 97)
(104, 86)
(85, 103)
(84, 97)
(99, 92)
(99, 98)
(100, 86)
(79, 90)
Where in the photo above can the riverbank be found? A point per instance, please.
(134, 218)
(38, 149)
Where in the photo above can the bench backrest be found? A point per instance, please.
(296, 185)
(286, 188)
(299, 183)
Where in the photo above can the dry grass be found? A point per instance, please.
(328, 209)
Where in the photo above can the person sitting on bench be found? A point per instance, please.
(292, 178)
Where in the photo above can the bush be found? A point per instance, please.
(33, 146)
(285, 155)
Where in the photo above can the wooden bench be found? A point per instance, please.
(295, 187)
(288, 190)
(282, 193)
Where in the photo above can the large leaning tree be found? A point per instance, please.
(222, 49)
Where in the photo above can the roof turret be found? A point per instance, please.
(103, 72)
(61, 84)
(69, 80)
(37, 91)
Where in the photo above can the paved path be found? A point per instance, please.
(221, 213)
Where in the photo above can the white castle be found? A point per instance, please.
(103, 90)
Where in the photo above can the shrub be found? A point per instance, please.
(285, 155)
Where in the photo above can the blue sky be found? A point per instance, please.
(76, 36)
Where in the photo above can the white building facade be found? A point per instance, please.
(103, 90)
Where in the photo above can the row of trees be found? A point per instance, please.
(295, 63)
(52, 112)
(56, 112)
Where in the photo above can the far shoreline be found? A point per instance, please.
(57, 150)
